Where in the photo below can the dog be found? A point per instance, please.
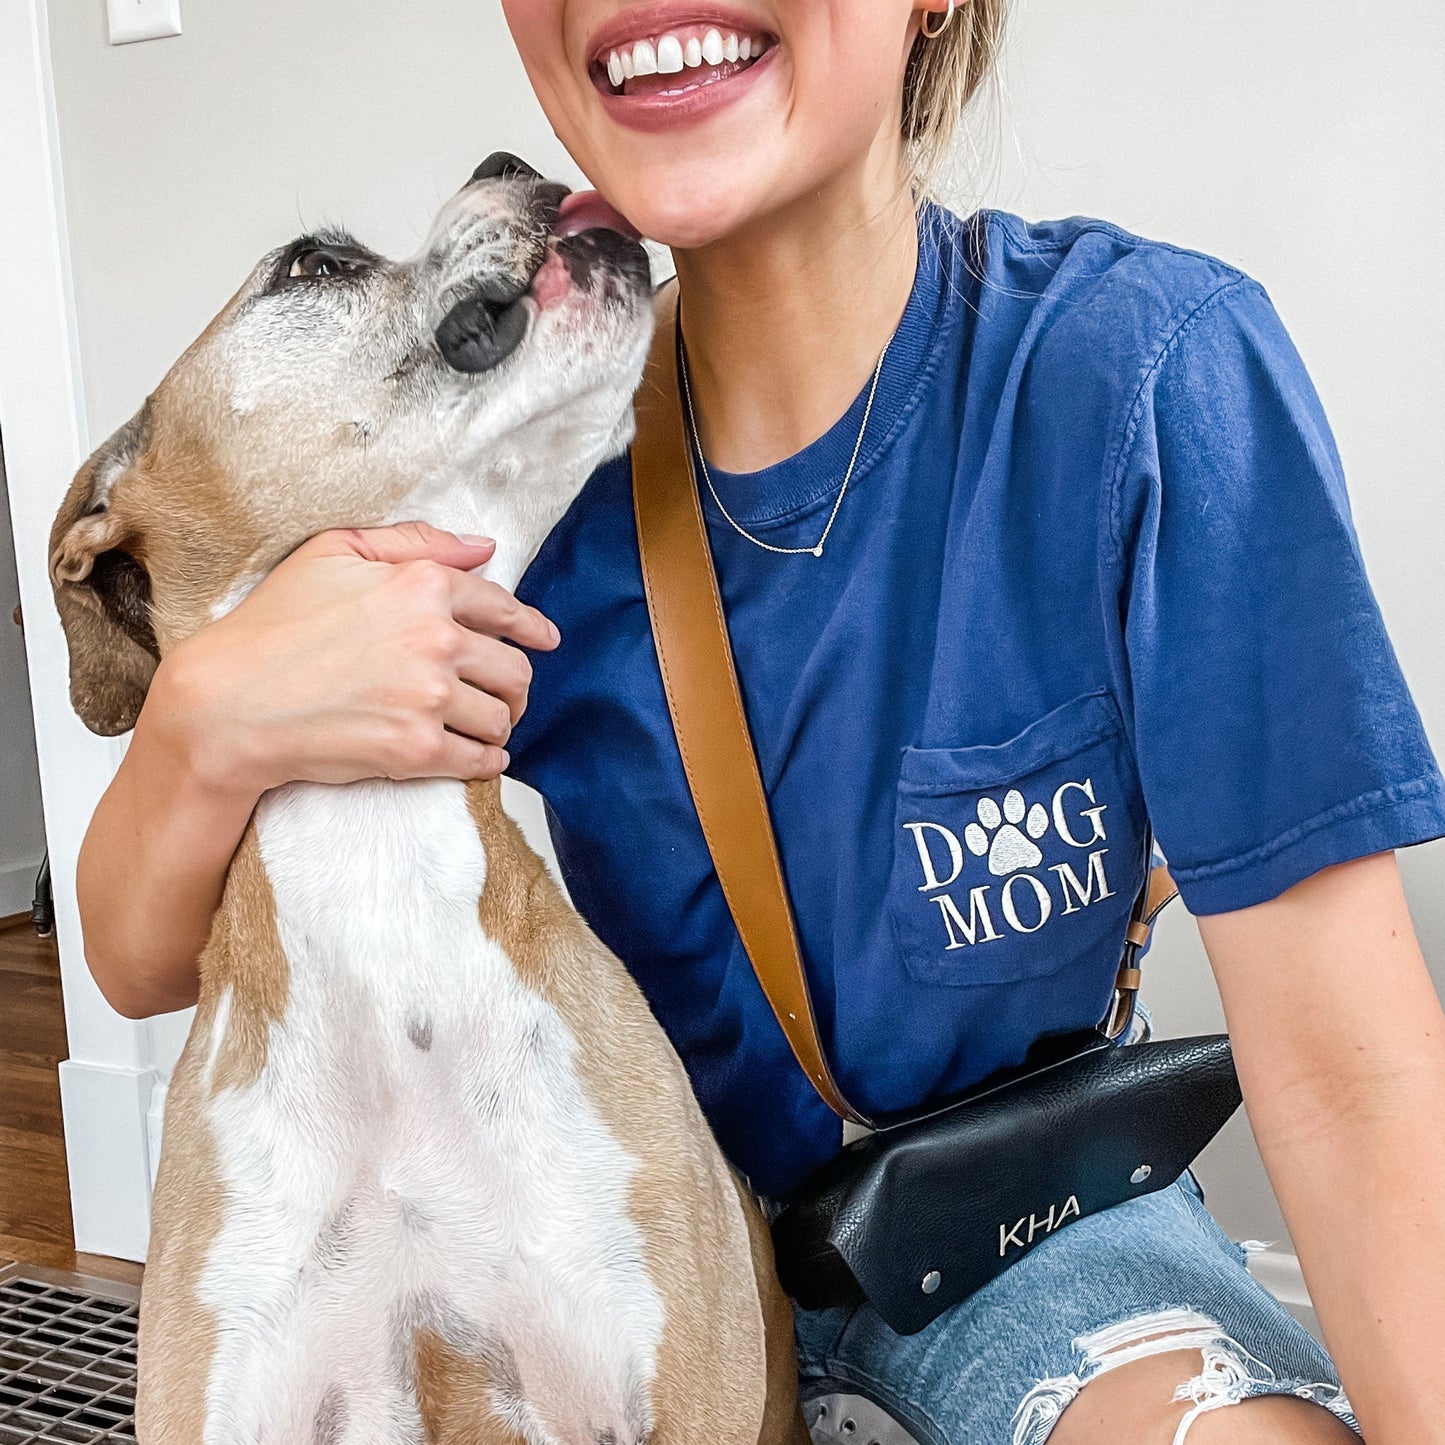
(431, 1170)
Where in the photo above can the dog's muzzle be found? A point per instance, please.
(484, 329)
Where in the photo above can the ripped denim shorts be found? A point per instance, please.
(1155, 1273)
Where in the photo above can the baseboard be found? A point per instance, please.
(107, 1150)
(17, 888)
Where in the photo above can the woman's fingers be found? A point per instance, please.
(499, 669)
(402, 542)
(485, 607)
(477, 714)
(442, 754)
(476, 602)
(465, 758)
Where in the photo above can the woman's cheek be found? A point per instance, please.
(538, 33)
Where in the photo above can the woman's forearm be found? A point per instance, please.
(1360, 1174)
(153, 864)
(1340, 1042)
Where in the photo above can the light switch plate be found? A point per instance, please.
(142, 19)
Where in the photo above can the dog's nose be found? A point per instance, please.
(478, 333)
(503, 165)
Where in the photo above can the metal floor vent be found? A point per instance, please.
(67, 1358)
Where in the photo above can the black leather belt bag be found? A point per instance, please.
(916, 1217)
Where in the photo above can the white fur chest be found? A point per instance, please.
(419, 1153)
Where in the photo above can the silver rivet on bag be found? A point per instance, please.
(931, 1281)
(1141, 1174)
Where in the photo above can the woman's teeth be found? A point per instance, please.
(668, 54)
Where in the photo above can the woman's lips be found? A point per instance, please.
(697, 93)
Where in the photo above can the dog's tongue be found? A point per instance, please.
(586, 211)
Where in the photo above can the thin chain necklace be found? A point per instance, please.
(817, 548)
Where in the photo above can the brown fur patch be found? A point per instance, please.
(107, 630)
(782, 1414)
(454, 1396)
(177, 1332)
(194, 499)
(245, 955)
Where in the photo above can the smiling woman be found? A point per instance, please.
(1090, 569)
(919, 390)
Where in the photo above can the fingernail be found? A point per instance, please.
(506, 760)
(472, 540)
(553, 633)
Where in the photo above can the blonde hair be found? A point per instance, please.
(942, 76)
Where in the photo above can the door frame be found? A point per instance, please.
(109, 1083)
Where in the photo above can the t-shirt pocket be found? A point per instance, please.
(1013, 860)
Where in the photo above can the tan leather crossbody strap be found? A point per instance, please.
(696, 660)
(703, 697)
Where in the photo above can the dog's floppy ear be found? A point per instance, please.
(102, 591)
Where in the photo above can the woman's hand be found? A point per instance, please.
(364, 654)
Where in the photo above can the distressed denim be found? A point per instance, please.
(1152, 1274)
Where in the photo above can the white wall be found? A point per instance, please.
(1303, 144)
(106, 1083)
(22, 829)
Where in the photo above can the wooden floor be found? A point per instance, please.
(34, 1191)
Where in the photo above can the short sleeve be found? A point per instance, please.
(1273, 728)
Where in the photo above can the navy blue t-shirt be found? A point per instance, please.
(1096, 553)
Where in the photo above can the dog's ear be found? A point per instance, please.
(102, 591)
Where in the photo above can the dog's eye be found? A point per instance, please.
(323, 257)
(317, 262)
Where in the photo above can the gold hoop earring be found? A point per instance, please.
(947, 16)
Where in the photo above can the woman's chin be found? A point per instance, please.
(690, 212)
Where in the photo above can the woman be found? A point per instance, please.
(1018, 529)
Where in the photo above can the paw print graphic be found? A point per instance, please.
(1009, 850)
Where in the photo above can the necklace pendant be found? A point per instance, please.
(686, 387)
